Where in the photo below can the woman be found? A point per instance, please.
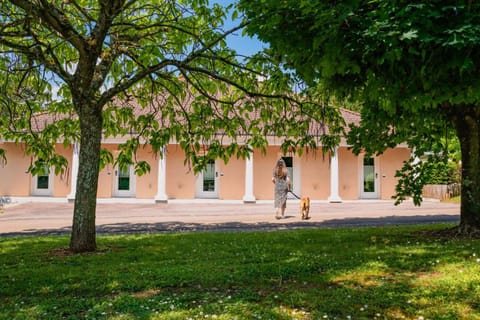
(282, 185)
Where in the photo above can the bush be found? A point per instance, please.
(442, 172)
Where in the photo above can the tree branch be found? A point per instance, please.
(52, 18)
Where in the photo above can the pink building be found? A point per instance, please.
(333, 177)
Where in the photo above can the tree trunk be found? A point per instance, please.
(83, 238)
(467, 123)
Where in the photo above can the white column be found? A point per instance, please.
(249, 197)
(73, 179)
(334, 196)
(161, 195)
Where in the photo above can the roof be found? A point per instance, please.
(350, 117)
(41, 120)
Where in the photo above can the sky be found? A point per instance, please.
(244, 45)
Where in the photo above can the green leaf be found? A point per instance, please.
(411, 34)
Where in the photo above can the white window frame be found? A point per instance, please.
(43, 191)
(131, 192)
(376, 173)
(199, 192)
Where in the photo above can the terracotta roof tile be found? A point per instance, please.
(39, 121)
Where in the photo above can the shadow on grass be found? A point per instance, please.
(178, 226)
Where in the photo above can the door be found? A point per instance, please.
(369, 182)
(294, 174)
(207, 181)
(124, 183)
(42, 183)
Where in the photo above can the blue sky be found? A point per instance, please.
(242, 44)
(245, 45)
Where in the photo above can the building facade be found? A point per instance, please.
(336, 176)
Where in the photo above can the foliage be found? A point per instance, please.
(3, 158)
(446, 165)
(366, 48)
(361, 273)
(414, 65)
(415, 174)
(171, 78)
(443, 173)
(151, 72)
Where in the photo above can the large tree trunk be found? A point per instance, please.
(83, 238)
(467, 123)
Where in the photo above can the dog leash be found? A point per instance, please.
(294, 194)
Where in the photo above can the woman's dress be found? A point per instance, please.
(281, 191)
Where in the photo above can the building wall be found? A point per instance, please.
(180, 179)
(312, 171)
(263, 165)
(232, 178)
(146, 184)
(62, 182)
(106, 175)
(348, 174)
(14, 181)
(391, 161)
(315, 175)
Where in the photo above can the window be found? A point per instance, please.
(42, 181)
(368, 175)
(289, 164)
(209, 176)
(124, 178)
(43, 177)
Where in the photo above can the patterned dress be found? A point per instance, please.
(281, 191)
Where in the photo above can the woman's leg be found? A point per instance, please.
(283, 209)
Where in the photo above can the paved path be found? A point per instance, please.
(178, 216)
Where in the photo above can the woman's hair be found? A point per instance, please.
(280, 169)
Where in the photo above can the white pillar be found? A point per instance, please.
(161, 195)
(73, 179)
(249, 197)
(334, 196)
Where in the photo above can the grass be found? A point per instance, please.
(352, 273)
(456, 199)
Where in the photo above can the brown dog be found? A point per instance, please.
(305, 207)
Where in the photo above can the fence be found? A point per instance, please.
(441, 191)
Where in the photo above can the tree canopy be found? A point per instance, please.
(153, 71)
(413, 65)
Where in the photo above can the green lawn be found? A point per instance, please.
(353, 273)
